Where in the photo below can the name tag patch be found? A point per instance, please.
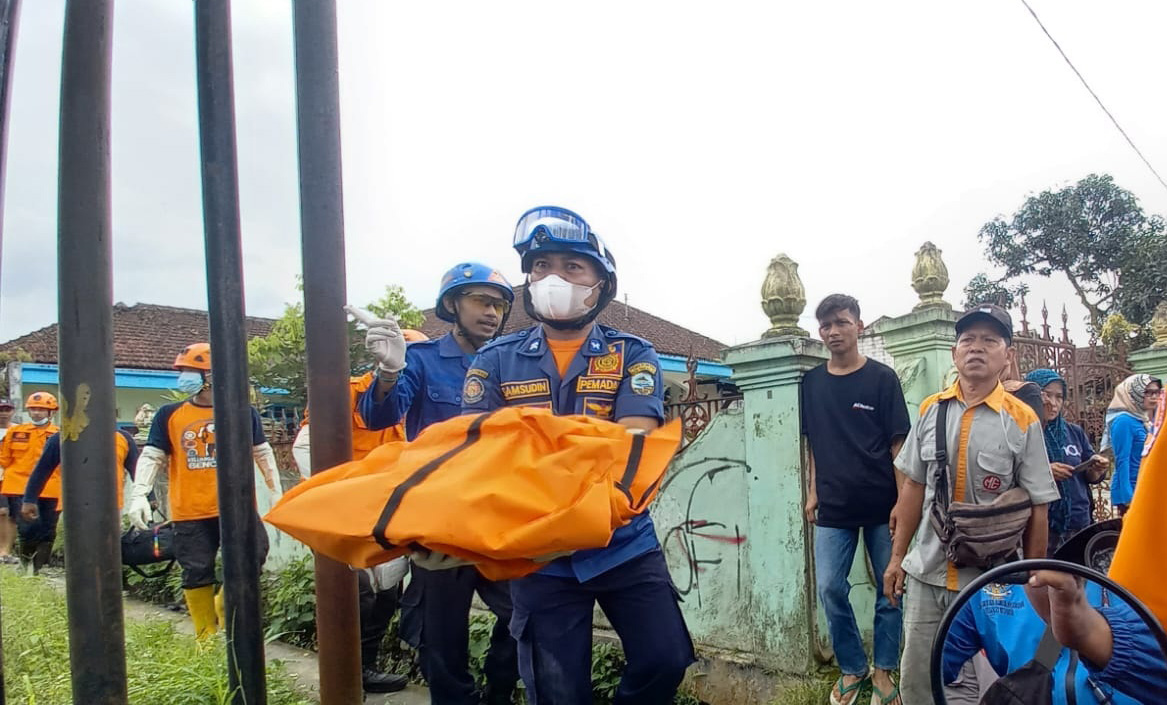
(607, 385)
(526, 389)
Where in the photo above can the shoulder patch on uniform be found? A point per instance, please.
(475, 372)
(643, 383)
(473, 390)
(642, 367)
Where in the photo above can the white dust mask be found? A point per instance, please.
(557, 299)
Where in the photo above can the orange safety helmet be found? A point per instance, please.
(196, 356)
(413, 336)
(41, 400)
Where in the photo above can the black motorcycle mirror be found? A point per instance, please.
(998, 642)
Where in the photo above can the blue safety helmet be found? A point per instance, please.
(555, 229)
(471, 274)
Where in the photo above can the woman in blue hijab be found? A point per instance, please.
(1067, 447)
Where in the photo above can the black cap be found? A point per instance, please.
(6, 403)
(989, 313)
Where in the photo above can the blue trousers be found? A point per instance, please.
(834, 552)
(553, 625)
(435, 620)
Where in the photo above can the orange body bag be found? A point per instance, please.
(501, 490)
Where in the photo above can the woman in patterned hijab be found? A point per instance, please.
(1067, 447)
(1126, 433)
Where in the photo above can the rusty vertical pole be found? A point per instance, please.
(238, 525)
(93, 587)
(322, 225)
(9, 19)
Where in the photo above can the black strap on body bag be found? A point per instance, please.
(1033, 683)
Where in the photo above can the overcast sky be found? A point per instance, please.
(698, 139)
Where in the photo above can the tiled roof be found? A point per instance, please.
(145, 336)
(668, 338)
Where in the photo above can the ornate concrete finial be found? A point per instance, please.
(783, 298)
(930, 278)
(1159, 326)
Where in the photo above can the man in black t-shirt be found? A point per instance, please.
(855, 419)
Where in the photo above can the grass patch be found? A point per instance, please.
(164, 667)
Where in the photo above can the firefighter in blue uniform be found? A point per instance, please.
(572, 365)
(422, 384)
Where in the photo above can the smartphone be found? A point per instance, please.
(1091, 464)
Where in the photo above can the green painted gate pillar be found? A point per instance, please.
(921, 342)
(1153, 360)
(777, 546)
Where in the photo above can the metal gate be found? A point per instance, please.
(1091, 374)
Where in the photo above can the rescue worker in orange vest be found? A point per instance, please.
(48, 473)
(378, 588)
(573, 365)
(182, 440)
(19, 452)
(422, 385)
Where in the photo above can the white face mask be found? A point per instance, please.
(40, 422)
(557, 299)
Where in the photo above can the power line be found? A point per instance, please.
(1093, 94)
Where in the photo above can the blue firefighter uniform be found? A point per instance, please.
(614, 375)
(428, 390)
(435, 615)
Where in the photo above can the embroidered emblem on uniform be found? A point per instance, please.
(475, 372)
(609, 365)
(526, 388)
(600, 408)
(643, 383)
(473, 390)
(996, 591)
(642, 367)
(597, 384)
(594, 346)
(533, 346)
(991, 483)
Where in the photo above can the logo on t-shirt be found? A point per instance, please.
(861, 405)
(198, 440)
(991, 483)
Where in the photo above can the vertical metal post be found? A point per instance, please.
(233, 437)
(88, 459)
(9, 19)
(322, 224)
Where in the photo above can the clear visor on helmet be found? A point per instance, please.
(557, 224)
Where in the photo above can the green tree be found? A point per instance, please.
(279, 359)
(981, 289)
(1097, 236)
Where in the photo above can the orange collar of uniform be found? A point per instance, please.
(995, 400)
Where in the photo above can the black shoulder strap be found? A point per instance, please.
(1049, 650)
(942, 453)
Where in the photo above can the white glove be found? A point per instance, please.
(265, 458)
(150, 462)
(383, 339)
(302, 452)
(386, 576)
(432, 560)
